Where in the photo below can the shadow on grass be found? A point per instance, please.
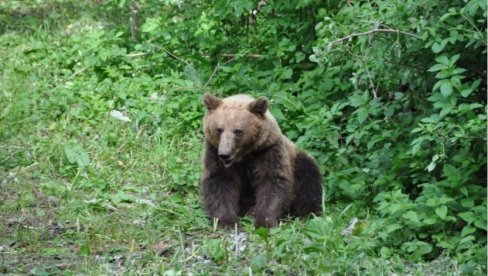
(52, 15)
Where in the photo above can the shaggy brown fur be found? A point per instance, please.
(250, 166)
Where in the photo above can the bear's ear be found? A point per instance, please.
(259, 106)
(211, 102)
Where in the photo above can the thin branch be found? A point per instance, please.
(77, 73)
(478, 31)
(211, 76)
(137, 54)
(171, 54)
(215, 71)
(230, 60)
(371, 83)
(373, 31)
(248, 55)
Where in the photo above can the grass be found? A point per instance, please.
(127, 201)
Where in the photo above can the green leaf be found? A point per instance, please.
(390, 110)
(442, 75)
(453, 60)
(467, 216)
(466, 92)
(299, 57)
(424, 248)
(482, 4)
(418, 248)
(278, 114)
(393, 227)
(438, 67)
(85, 250)
(430, 221)
(287, 74)
(434, 118)
(76, 155)
(288, 102)
(441, 212)
(456, 82)
(452, 174)
(363, 114)
(475, 106)
(446, 88)
(263, 233)
(458, 71)
(412, 216)
(358, 100)
(446, 245)
(443, 60)
(467, 230)
(438, 47)
(471, 7)
(215, 249)
(481, 224)
(475, 84)
(467, 202)
(192, 74)
(434, 96)
(150, 25)
(446, 110)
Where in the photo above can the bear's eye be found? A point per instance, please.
(238, 132)
(220, 130)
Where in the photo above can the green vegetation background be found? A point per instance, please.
(101, 142)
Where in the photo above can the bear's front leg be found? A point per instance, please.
(272, 201)
(272, 179)
(220, 189)
(221, 199)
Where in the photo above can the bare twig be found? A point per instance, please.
(77, 73)
(171, 54)
(371, 83)
(248, 55)
(373, 31)
(215, 71)
(136, 54)
(230, 60)
(211, 76)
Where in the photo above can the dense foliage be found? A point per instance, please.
(389, 96)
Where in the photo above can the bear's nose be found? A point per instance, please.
(224, 156)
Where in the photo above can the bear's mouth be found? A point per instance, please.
(227, 163)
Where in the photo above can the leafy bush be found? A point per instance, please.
(391, 101)
(413, 140)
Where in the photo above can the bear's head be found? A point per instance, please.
(238, 125)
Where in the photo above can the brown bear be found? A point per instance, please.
(250, 166)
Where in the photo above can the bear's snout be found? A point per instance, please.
(225, 153)
(226, 146)
(225, 156)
